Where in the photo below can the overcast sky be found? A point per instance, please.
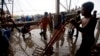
(32, 7)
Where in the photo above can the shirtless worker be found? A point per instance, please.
(87, 29)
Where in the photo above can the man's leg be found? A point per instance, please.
(44, 34)
(85, 48)
(97, 36)
(76, 33)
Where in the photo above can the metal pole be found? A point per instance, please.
(2, 2)
(69, 5)
(57, 6)
(57, 15)
(12, 7)
(2, 12)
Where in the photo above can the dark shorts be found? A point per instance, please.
(86, 45)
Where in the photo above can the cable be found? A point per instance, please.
(66, 3)
(70, 4)
(20, 7)
(30, 5)
(76, 3)
(7, 7)
(63, 6)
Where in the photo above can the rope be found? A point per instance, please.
(30, 5)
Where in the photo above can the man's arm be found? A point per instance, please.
(79, 22)
(77, 26)
(40, 21)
